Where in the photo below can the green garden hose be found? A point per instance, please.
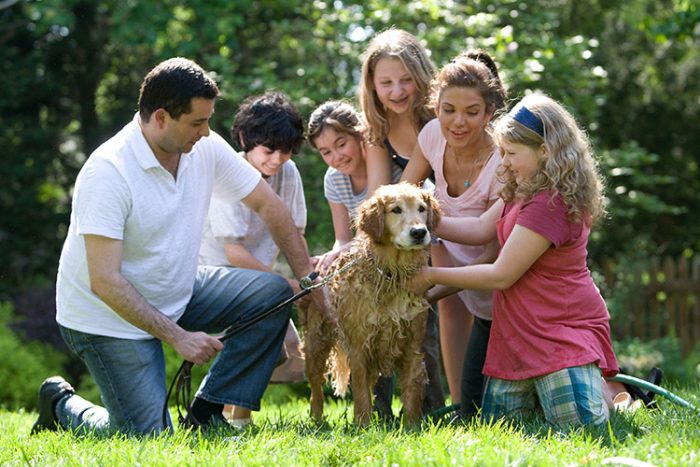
(644, 384)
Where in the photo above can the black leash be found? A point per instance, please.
(182, 381)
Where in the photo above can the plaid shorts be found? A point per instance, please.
(572, 396)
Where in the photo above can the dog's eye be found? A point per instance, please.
(421, 208)
(396, 210)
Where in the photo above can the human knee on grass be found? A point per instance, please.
(568, 397)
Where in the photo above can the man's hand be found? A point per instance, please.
(296, 288)
(197, 347)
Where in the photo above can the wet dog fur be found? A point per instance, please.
(374, 324)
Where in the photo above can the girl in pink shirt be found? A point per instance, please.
(550, 338)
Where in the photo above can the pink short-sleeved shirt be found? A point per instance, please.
(472, 203)
(553, 317)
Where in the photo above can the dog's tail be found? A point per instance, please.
(340, 372)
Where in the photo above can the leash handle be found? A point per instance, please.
(182, 377)
(307, 281)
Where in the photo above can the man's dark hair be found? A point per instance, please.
(172, 85)
(269, 120)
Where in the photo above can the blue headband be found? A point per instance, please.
(522, 115)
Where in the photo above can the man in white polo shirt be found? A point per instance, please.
(128, 278)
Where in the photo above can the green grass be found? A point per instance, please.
(283, 435)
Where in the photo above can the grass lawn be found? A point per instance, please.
(283, 435)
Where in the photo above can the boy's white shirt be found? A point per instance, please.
(236, 223)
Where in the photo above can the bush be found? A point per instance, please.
(25, 365)
(637, 357)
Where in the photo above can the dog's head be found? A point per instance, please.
(402, 215)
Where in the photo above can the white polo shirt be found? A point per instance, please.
(122, 192)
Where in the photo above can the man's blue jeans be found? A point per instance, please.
(131, 373)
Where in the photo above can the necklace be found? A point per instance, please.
(474, 166)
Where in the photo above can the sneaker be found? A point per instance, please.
(240, 423)
(51, 391)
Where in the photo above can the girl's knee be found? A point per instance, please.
(574, 397)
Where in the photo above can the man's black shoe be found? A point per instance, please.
(51, 391)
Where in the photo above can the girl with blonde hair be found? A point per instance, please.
(393, 95)
(393, 92)
(550, 339)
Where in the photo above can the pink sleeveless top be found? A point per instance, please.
(472, 203)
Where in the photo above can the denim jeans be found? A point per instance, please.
(131, 373)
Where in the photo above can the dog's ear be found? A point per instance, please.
(371, 218)
(434, 210)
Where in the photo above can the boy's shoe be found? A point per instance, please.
(51, 391)
(240, 423)
(215, 423)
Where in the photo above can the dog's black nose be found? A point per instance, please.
(418, 232)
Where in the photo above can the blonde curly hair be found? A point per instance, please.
(568, 167)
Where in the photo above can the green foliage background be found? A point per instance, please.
(24, 365)
(70, 71)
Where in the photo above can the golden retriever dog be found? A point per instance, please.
(380, 324)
